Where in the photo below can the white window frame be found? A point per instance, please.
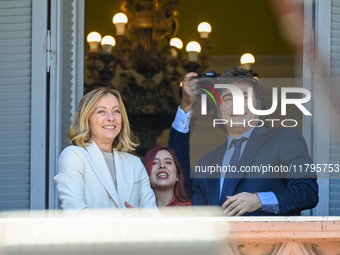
(56, 79)
(38, 106)
(316, 69)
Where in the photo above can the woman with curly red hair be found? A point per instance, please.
(166, 177)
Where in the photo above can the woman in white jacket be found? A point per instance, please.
(96, 172)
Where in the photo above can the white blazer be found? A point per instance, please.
(84, 180)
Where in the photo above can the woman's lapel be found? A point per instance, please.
(102, 171)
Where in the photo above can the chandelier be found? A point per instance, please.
(145, 63)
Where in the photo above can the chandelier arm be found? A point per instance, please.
(175, 25)
(123, 52)
(203, 56)
(92, 60)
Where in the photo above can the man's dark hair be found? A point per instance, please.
(239, 74)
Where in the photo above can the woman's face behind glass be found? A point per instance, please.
(164, 171)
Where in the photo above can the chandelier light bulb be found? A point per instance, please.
(177, 45)
(119, 20)
(193, 48)
(176, 42)
(204, 29)
(93, 40)
(108, 40)
(247, 60)
(94, 37)
(107, 43)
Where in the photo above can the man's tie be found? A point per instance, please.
(228, 183)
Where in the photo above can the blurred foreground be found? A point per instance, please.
(168, 231)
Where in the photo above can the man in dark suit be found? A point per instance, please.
(284, 192)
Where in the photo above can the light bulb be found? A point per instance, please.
(247, 60)
(107, 43)
(204, 29)
(119, 20)
(193, 48)
(176, 42)
(93, 40)
(94, 37)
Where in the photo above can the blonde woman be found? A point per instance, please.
(96, 172)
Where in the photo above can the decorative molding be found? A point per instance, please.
(282, 235)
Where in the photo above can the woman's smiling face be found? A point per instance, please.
(164, 171)
(105, 122)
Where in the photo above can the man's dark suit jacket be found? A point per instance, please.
(295, 190)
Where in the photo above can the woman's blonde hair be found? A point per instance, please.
(80, 133)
